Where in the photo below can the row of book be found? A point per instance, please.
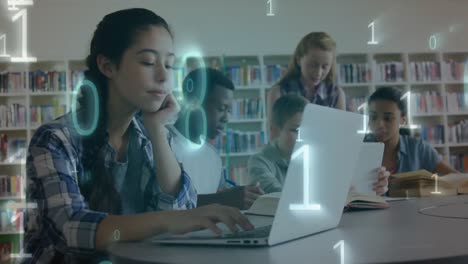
(12, 115)
(48, 81)
(353, 104)
(427, 71)
(234, 141)
(457, 102)
(433, 134)
(355, 73)
(75, 78)
(238, 174)
(459, 162)
(245, 75)
(12, 82)
(12, 149)
(45, 113)
(10, 186)
(427, 102)
(389, 72)
(458, 132)
(5, 251)
(247, 108)
(274, 73)
(456, 70)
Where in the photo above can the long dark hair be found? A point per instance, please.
(112, 37)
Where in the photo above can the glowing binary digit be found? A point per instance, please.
(196, 104)
(340, 245)
(4, 54)
(24, 47)
(365, 119)
(299, 139)
(372, 41)
(436, 191)
(116, 235)
(407, 95)
(433, 42)
(306, 204)
(270, 4)
(79, 129)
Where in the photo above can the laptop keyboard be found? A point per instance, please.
(258, 232)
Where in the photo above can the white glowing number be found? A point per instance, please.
(365, 120)
(340, 245)
(372, 27)
(3, 37)
(433, 42)
(12, 4)
(24, 47)
(407, 95)
(270, 4)
(116, 235)
(299, 139)
(436, 191)
(306, 205)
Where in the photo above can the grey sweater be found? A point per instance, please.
(268, 168)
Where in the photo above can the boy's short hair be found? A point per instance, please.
(287, 106)
(194, 81)
(389, 94)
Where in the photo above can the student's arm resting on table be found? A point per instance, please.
(431, 160)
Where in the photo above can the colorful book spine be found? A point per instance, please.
(13, 115)
(245, 75)
(389, 72)
(458, 132)
(239, 174)
(459, 162)
(456, 70)
(427, 71)
(240, 142)
(10, 186)
(274, 73)
(76, 77)
(12, 149)
(247, 108)
(47, 81)
(428, 102)
(355, 73)
(433, 134)
(45, 113)
(12, 82)
(456, 102)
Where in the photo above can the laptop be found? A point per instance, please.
(314, 192)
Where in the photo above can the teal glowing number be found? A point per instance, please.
(89, 131)
(196, 105)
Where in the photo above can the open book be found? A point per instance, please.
(267, 204)
(422, 183)
(366, 201)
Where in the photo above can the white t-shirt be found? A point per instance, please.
(201, 162)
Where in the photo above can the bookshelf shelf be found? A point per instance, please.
(7, 198)
(457, 145)
(13, 128)
(13, 94)
(11, 232)
(16, 163)
(49, 93)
